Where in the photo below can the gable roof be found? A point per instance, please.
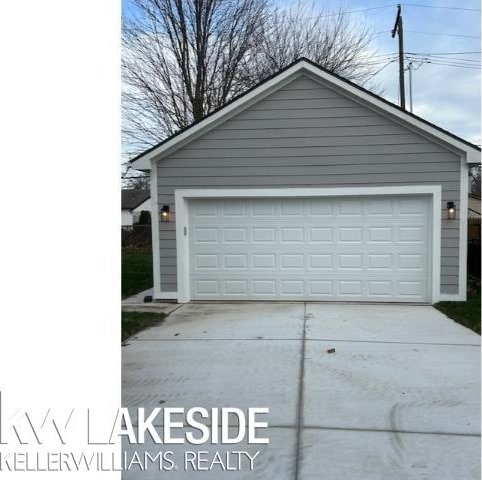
(133, 198)
(281, 78)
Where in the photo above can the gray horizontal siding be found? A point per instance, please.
(294, 152)
(291, 142)
(267, 114)
(303, 83)
(310, 170)
(317, 179)
(302, 104)
(307, 135)
(320, 122)
(307, 132)
(321, 160)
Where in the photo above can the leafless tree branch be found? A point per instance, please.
(182, 59)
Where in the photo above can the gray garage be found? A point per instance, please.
(309, 187)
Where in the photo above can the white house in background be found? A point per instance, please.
(309, 187)
(133, 203)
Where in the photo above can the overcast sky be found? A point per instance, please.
(447, 95)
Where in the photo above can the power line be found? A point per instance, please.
(443, 53)
(348, 12)
(440, 6)
(382, 68)
(454, 62)
(385, 54)
(433, 61)
(414, 56)
(377, 61)
(453, 65)
(444, 63)
(468, 61)
(443, 7)
(445, 34)
(440, 56)
(457, 59)
(431, 33)
(445, 59)
(337, 14)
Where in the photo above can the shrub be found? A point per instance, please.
(144, 218)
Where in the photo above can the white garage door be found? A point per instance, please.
(342, 249)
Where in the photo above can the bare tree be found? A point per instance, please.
(329, 38)
(136, 182)
(182, 59)
(474, 176)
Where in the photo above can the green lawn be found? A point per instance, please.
(134, 322)
(466, 313)
(136, 271)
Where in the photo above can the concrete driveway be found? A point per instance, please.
(399, 398)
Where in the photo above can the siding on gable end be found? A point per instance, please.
(309, 135)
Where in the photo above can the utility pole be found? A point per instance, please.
(398, 28)
(409, 68)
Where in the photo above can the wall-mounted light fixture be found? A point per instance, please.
(451, 210)
(165, 213)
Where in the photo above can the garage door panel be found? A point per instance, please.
(334, 276)
(412, 234)
(287, 208)
(235, 234)
(263, 235)
(203, 261)
(263, 261)
(320, 209)
(411, 261)
(320, 288)
(206, 235)
(380, 207)
(208, 287)
(295, 287)
(410, 207)
(321, 261)
(381, 234)
(233, 209)
(380, 288)
(350, 235)
(382, 263)
(264, 287)
(314, 248)
(350, 261)
(320, 235)
(236, 287)
(350, 207)
(263, 208)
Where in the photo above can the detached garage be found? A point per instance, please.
(308, 187)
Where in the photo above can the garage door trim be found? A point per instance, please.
(181, 196)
